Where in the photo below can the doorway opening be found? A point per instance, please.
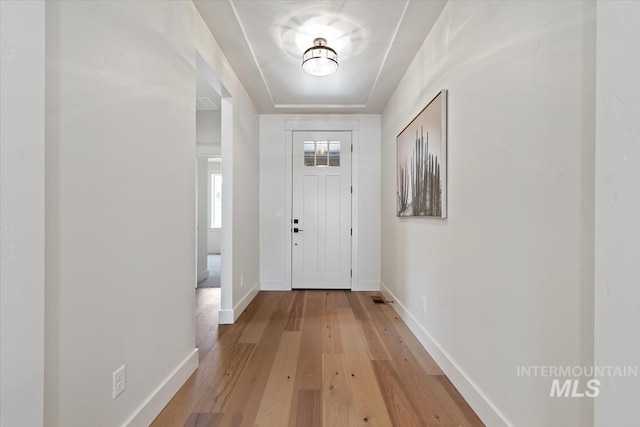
(209, 217)
(212, 183)
(214, 121)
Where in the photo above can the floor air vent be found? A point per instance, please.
(377, 299)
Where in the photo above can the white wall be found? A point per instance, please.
(208, 127)
(214, 241)
(508, 277)
(273, 194)
(617, 266)
(214, 234)
(22, 210)
(245, 190)
(203, 218)
(208, 132)
(120, 114)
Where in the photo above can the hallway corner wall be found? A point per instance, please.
(22, 210)
(508, 277)
(617, 256)
(120, 204)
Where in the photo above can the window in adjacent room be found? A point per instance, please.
(216, 201)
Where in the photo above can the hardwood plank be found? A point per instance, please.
(421, 355)
(447, 392)
(375, 346)
(275, 405)
(246, 317)
(202, 382)
(340, 298)
(414, 379)
(207, 330)
(207, 306)
(254, 329)
(446, 404)
(337, 401)
(441, 407)
(203, 420)
(331, 341)
(309, 374)
(398, 403)
(243, 406)
(207, 296)
(285, 300)
(206, 343)
(309, 408)
(294, 323)
(368, 402)
(178, 410)
(231, 368)
(354, 303)
(335, 299)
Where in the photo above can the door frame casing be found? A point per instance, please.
(321, 125)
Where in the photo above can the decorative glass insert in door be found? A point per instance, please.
(322, 153)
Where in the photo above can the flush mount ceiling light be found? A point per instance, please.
(320, 60)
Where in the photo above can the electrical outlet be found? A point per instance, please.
(424, 303)
(119, 381)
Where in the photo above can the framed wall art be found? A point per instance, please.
(422, 162)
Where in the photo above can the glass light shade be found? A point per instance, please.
(320, 60)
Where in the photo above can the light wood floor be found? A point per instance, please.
(207, 329)
(315, 358)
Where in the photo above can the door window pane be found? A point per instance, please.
(322, 153)
(334, 153)
(309, 153)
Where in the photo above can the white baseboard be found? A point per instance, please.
(225, 317)
(486, 410)
(274, 285)
(228, 317)
(156, 402)
(280, 285)
(203, 276)
(366, 285)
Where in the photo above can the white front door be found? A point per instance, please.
(321, 217)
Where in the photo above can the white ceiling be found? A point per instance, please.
(376, 41)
